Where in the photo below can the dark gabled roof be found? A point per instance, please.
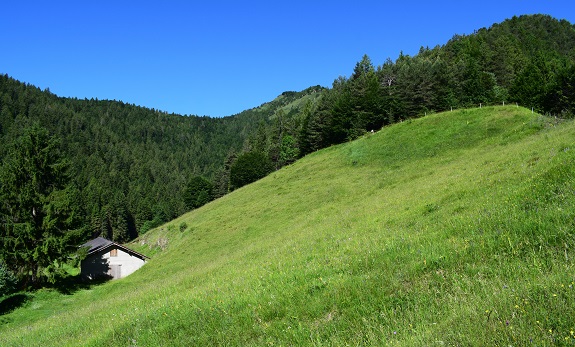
(96, 244)
(99, 243)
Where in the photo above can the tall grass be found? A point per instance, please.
(453, 229)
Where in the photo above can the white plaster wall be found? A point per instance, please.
(128, 263)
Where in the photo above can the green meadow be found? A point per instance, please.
(456, 229)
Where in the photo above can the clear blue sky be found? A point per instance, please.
(218, 58)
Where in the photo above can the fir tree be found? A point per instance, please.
(40, 214)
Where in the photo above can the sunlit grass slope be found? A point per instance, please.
(453, 229)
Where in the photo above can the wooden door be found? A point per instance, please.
(116, 271)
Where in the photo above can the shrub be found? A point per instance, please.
(151, 224)
(7, 280)
(198, 192)
(248, 168)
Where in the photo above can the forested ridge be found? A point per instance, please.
(133, 168)
(529, 60)
(131, 163)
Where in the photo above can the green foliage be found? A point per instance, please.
(222, 180)
(560, 98)
(150, 224)
(289, 150)
(313, 133)
(199, 191)
(529, 85)
(125, 158)
(371, 256)
(277, 136)
(7, 280)
(249, 167)
(40, 215)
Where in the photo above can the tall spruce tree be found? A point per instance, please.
(40, 215)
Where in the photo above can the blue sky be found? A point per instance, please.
(218, 58)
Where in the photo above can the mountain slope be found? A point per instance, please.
(452, 229)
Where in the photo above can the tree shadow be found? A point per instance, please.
(98, 274)
(11, 302)
(95, 272)
(71, 284)
(67, 285)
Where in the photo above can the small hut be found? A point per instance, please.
(109, 259)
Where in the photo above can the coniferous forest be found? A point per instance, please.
(116, 169)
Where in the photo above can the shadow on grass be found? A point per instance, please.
(11, 302)
(66, 286)
(71, 284)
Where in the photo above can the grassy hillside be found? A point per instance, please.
(453, 229)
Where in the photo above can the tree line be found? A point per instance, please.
(529, 60)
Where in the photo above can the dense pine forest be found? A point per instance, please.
(132, 164)
(128, 169)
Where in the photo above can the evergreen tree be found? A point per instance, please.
(367, 98)
(313, 133)
(198, 192)
(339, 115)
(289, 150)
(560, 97)
(222, 181)
(391, 104)
(40, 215)
(529, 87)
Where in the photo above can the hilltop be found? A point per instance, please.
(451, 229)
